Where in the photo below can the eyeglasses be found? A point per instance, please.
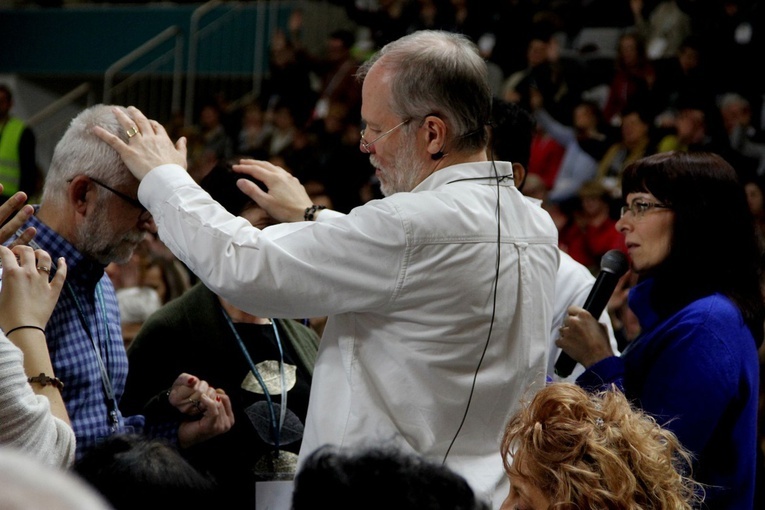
(367, 146)
(130, 200)
(638, 208)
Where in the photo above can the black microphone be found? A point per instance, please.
(612, 266)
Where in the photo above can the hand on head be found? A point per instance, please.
(148, 145)
(286, 199)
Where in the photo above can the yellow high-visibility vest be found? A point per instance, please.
(10, 170)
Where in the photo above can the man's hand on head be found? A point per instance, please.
(148, 145)
(286, 199)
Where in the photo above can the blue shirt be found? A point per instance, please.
(697, 373)
(71, 349)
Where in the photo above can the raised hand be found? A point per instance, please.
(286, 199)
(28, 295)
(23, 213)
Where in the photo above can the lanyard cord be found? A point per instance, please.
(111, 400)
(275, 429)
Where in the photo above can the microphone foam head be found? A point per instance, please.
(614, 261)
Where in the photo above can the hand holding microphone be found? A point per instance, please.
(579, 328)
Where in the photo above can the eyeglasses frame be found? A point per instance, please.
(367, 146)
(130, 200)
(641, 214)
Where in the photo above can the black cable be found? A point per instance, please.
(498, 179)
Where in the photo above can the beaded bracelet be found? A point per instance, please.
(44, 380)
(310, 212)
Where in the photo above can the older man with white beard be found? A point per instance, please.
(89, 216)
(439, 296)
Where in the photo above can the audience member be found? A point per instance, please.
(288, 81)
(151, 265)
(745, 138)
(386, 21)
(633, 78)
(27, 483)
(663, 26)
(754, 187)
(33, 417)
(430, 15)
(18, 161)
(546, 156)
(469, 18)
(165, 275)
(136, 305)
(544, 73)
(570, 449)
(254, 132)
(585, 142)
(392, 285)
(681, 80)
(591, 232)
(339, 170)
(636, 142)
(379, 478)
(131, 471)
(689, 133)
(88, 216)
(511, 25)
(284, 130)
(242, 354)
(732, 32)
(215, 145)
(694, 366)
(336, 72)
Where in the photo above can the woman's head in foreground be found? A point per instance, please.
(568, 449)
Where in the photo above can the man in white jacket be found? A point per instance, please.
(439, 296)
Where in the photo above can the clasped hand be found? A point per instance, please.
(209, 409)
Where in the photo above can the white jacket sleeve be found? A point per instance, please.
(25, 418)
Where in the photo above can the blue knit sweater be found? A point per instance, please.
(696, 372)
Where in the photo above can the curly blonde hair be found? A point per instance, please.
(587, 450)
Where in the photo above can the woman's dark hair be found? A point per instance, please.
(714, 245)
(132, 471)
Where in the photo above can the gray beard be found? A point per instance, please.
(92, 242)
(406, 172)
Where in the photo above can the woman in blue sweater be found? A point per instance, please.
(694, 366)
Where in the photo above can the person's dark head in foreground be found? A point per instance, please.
(379, 478)
(134, 472)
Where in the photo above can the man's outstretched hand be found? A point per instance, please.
(148, 144)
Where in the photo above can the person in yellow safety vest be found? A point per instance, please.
(18, 168)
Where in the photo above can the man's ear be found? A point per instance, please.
(519, 175)
(436, 131)
(79, 192)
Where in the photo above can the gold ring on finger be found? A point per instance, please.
(132, 132)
